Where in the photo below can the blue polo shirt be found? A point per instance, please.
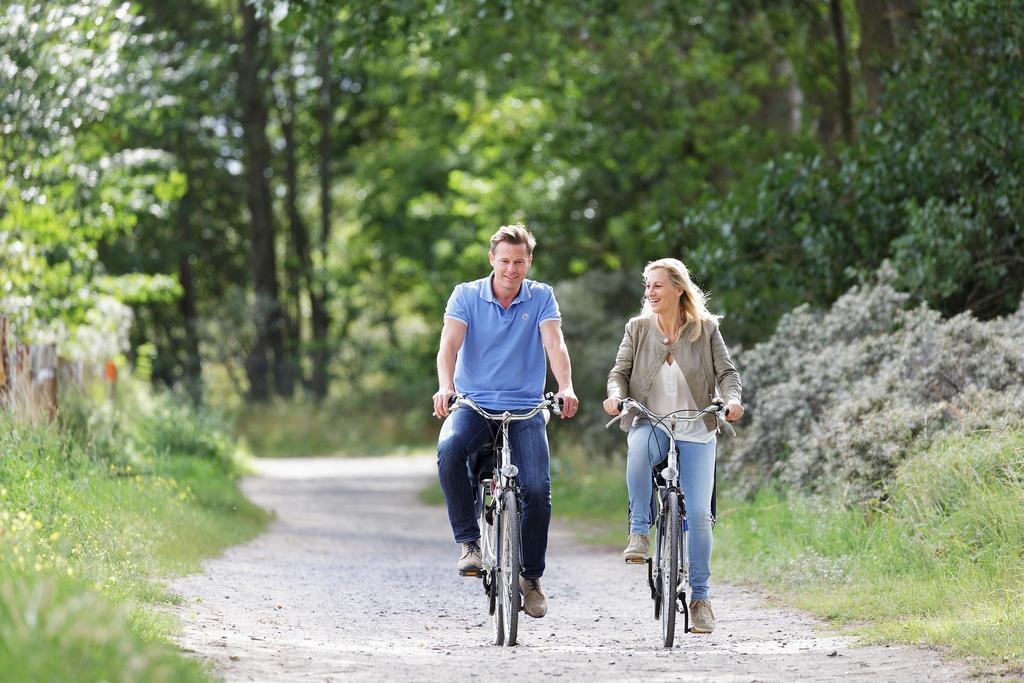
(501, 364)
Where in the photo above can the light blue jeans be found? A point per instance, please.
(648, 447)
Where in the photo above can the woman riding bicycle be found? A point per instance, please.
(672, 357)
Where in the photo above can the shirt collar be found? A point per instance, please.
(487, 291)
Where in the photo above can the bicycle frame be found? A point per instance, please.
(503, 478)
(502, 481)
(670, 477)
(669, 492)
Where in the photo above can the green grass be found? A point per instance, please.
(302, 428)
(92, 514)
(940, 562)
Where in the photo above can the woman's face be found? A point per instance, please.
(661, 294)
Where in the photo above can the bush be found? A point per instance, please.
(837, 399)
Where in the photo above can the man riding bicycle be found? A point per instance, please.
(496, 332)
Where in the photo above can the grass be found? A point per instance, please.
(303, 428)
(940, 562)
(92, 513)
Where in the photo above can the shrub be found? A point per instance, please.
(837, 398)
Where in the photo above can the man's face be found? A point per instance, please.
(511, 262)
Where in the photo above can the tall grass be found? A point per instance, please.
(370, 426)
(939, 562)
(92, 512)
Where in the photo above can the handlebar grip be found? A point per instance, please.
(452, 399)
(557, 401)
(621, 404)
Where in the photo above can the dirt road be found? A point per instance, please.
(355, 580)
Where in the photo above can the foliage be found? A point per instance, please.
(360, 425)
(937, 563)
(837, 400)
(404, 132)
(934, 184)
(93, 511)
(64, 188)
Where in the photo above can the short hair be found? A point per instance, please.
(514, 234)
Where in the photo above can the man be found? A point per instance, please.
(496, 332)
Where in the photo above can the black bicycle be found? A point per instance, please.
(668, 571)
(498, 504)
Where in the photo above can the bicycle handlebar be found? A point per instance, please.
(550, 401)
(716, 408)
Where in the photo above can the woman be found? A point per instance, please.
(672, 357)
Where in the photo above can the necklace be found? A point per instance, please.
(668, 340)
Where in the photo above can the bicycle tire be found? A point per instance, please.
(497, 619)
(510, 566)
(488, 547)
(670, 568)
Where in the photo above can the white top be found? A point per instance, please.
(671, 392)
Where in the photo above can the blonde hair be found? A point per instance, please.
(514, 234)
(692, 302)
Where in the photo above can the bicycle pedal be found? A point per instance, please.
(471, 572)
(635, 561)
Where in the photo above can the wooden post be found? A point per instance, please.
(4, 363)
(43, 368)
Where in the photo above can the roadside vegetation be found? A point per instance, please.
(94, 510)
(353, 425)
(937, 562)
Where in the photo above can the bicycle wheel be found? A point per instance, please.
(497, 619)
(490, 575)
(669, 569)
(510, 562)
(655, 561)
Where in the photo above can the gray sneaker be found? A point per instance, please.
(702, 619)
(637, 549)
(535, 604)
(470, 563)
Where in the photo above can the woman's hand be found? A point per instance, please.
(733, 411)
(611, 405)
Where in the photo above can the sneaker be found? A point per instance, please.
(534, 602)
(470, 563)
(637, 548)
(702, 619)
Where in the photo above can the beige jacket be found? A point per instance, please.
(705, 364)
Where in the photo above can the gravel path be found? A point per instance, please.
(355, 580)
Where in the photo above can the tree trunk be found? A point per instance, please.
(902, 16)
(268, 349)
(187, 303)
(835, 11)
(877, 46)
(297, 267)
(318, 291)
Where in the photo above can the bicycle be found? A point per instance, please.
(498, 502)
(668, 570)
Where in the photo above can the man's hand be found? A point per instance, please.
(441, 400)
(611, 405)
(733, 411)
(570, 404)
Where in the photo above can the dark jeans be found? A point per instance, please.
(463, 434)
